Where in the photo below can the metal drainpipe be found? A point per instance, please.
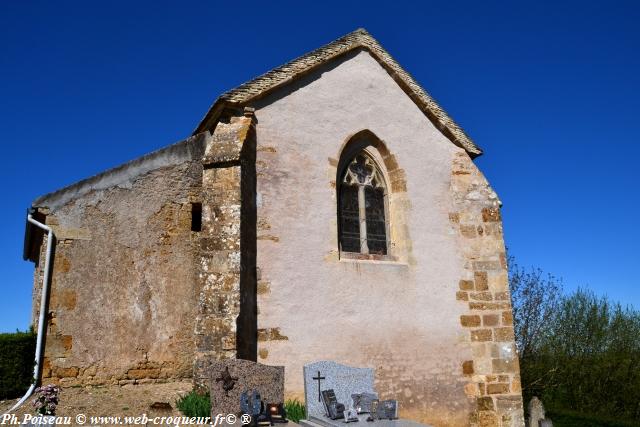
(42, 317)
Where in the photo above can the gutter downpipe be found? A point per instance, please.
(42, 317)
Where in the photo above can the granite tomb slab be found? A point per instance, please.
(345, 382)
(228, 379)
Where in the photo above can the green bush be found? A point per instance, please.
(17, 358)
(195, 405)
(588, 361)
(579, 352)
(565, 418)
(295, 410)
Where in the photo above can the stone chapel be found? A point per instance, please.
(328, 209)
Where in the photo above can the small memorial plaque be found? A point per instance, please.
(362, 402)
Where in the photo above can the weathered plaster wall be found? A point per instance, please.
(124, 288)
(400, 317)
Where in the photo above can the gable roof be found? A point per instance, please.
(359, 39)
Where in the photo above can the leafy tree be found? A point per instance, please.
(578, 352)
(596, 345)
(535, 299)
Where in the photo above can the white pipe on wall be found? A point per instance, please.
(43, 306)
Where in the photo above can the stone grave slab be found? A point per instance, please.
(229, 378)
(327, 422)
(344, 380)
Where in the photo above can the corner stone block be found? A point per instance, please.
(481, 335)
(504, 334)
(466, 285)
(481, 281)
(491, 215)
(497, 388)
(507, 318)
(501, 366)
(485, 404)
(488, 419)
(490, 320)
(470, 320)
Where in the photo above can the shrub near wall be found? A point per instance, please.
(17, 356)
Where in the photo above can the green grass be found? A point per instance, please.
(567, 418)
(195, 405)
(295, 410)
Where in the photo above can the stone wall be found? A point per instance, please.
(226, 322)
(138, 294)
(493, 372)
(121, 306)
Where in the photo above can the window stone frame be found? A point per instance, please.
(398, 206)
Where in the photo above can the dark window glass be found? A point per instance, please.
(349, 219)
(376, 226)
(196, 217)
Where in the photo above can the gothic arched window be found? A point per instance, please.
(362, 206)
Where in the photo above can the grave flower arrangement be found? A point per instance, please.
(46, 399)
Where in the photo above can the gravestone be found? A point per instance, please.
(228, 379)
(536, 412)
(344, 380)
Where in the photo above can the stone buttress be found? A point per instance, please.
(226, 323)
(493, 373)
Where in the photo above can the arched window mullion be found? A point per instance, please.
(362, 213)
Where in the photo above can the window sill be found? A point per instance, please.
(373, 258)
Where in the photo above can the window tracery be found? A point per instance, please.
(362, 210)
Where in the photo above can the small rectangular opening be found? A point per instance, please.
(196, 216)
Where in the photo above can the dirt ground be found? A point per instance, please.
(126, 400)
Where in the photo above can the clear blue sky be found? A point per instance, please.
(548, 89)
